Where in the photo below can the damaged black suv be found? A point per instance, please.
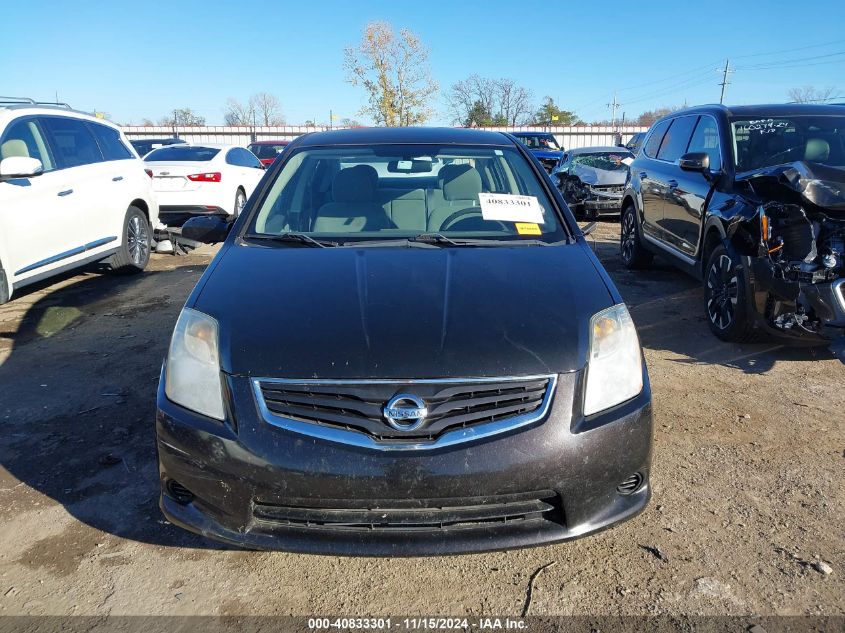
(751, 200)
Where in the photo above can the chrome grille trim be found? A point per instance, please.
(363, 440)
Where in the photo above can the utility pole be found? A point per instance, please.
(727, 70)
(614, 105)
(331, 119)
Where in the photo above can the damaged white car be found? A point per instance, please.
(592, 179)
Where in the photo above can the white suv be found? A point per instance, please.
(72, 192)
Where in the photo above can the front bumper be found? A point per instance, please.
(251, 484)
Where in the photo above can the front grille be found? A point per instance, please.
(359, 406)
(428, 515)
(616, 190)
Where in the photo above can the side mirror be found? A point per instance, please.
(206, 229)
(695, 161)
(20, 167)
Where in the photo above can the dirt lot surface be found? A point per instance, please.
(747, 515)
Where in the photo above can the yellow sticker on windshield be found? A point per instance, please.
(528, 228)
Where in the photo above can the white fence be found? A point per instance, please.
(568, 137)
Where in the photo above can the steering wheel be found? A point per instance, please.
(466, 214)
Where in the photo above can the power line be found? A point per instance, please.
(792, 61)
(789, 50)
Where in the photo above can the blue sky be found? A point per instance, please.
(136, 60)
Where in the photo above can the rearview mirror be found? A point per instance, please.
(206, 229)
(694, 161)
(409, 166)
(20, 167)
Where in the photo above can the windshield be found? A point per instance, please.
(401, 191)
(765, 142)
(539, 141)
(267, 151)
(608, 161)
(176, 153)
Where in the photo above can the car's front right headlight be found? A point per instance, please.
(192, 377)
(614, 370)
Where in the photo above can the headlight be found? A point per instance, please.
(193, 365)
(614, 371)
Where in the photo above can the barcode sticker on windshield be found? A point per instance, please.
(510, 208)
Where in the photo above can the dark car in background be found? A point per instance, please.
(592, 179)
(145, 145)
(543, 145)
(635, 142)
(404, 346)
(267, 151)
(751, 200)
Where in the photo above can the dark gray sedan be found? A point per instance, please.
(404, 346)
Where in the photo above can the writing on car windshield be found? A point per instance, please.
(382, 192)
(768, 141)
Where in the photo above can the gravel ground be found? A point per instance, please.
(747, 514)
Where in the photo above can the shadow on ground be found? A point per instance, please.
(667, 306)
(78, 398)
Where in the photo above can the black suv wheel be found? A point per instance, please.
(634, 255)
(726, 298)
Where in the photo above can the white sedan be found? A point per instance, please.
(202, 179)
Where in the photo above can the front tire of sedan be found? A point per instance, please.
(634, 255)
(726, 298)
(134, 253)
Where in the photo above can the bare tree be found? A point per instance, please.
(811, 94)
(267, 109)
(472, 99)
(483, 101)
(237, 113)
(393, 69)
(514, 102)
(182, 117)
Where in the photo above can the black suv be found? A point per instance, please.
(751, 200)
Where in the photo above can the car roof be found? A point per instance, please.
(770, 109)
(404, 135)
(269, 142)
(11, 111)
(532, 134)
(597, 149)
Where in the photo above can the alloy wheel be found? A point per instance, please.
(138, 240)
(629, 236)
(722, 292)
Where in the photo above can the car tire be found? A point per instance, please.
(4, 286)
(240, 201)
(726, 296)
(134, 253)
(634, 254)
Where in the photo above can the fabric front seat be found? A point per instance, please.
(817, 150)
(14, 147)
(460, 189)
(353, 208)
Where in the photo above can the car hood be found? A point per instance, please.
(392, 312)
(594, 176)
(802, 183)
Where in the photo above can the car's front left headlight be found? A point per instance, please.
(192, 377)
(614, 370)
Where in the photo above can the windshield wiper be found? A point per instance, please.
(441, 240)
(299, 238)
